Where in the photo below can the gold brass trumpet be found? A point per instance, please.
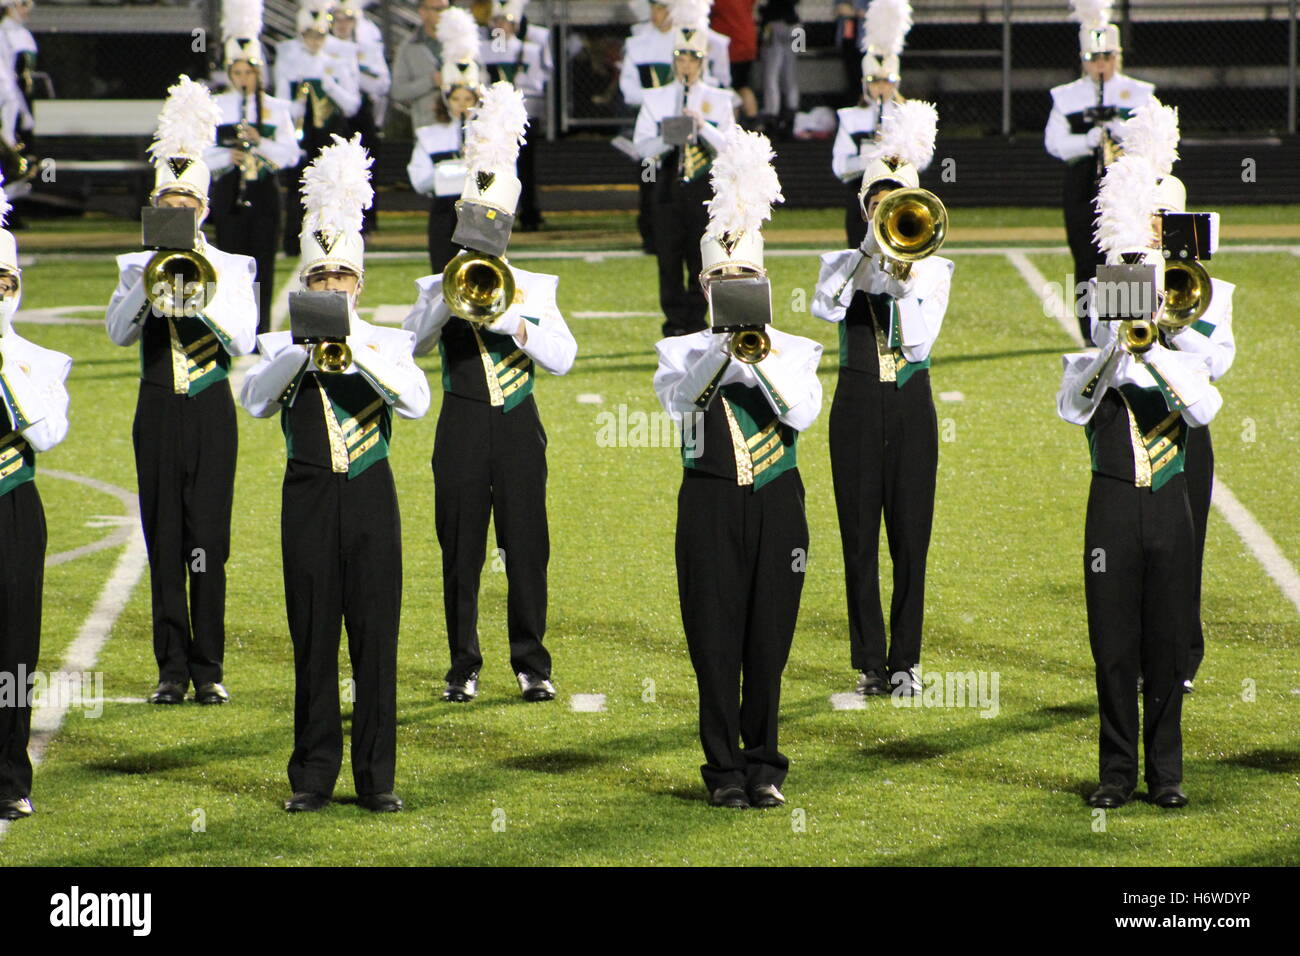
(1187, 293)
(478, 287)
(750, 346)
(909, 225)
(1137, 335)
(331, 356)
(178, 280)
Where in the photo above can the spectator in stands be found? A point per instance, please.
(416, 80)
(780, 77)
(735, 19)
(849, 15)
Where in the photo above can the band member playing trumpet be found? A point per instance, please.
(681, 127)
(1137, 401)
(340, 527)
(1085, 127)
(857, 142)
(437, 166)
(742, 392)
(33, 418)
(191, 310)
(320, 75)
(492, 324)
(889, 297)
(254, 142)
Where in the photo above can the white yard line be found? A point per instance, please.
(1252, 533)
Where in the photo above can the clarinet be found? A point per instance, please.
(1101, 147)
(681, 150)
(241, 200)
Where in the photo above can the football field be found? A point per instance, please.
(608, 773)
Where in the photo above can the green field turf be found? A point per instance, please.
(503, 782)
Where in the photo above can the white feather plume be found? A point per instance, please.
(745, 184)
(496, 129)
(887, 24)
(1124, 204)
(1153, 132)
(458, 34)
(908, 133)
(691, 14)
(187, 123)
(336, 187)
(5, 204)
(1092, 14)
(241, 19)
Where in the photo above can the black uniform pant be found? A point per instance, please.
(884, 446)
(22, 576)
(363, 122)
(251, 231)
(487, 464)
(1198, 469)
(1080, 221)
(680, 219)
(342, 546)
(855, 227)
(645, 219)
(1139, 579)
(185, 451)
(442, 223)
(530, 211)
(740, 560)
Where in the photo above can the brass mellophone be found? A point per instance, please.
(331, 356)
(750, 346)
(478, 287)
(172, 275)
(909, 224)
(1187, 293)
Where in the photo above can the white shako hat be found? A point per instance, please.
(315, 15)
(1152, 132)
(336, 191)
(906, 144)
(883, 36)
(8, 250)
(691, 26)
(241, 27)
(459, 36)
(745, 186)
(1096, 33)
(485, 213)
(186, 126)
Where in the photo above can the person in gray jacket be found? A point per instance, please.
(417, 64)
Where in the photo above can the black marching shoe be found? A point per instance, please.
(764, 796)
(731, 796)
(167, 693)
(1108, 797)
(906, 683)
(17, 809)
(461, 690)
(871, 684)
(211, 693)
(534, 689)
(1188, 686)
(1169, 797)
(306, 802)
(380, 802)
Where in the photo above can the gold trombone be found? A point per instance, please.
(478, 287)
(909, 225)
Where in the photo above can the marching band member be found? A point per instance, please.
(254, 141)
(319, 74)
(34, 419)
(184, 433)
(742, 391)
(883, 429)
(489, 456)
(340, 526)
(437, 167)
(1086, 124)
(1137, 401)
(681, 127)
(351, 25)
(1153, 133)
(648, 56)
(519, 52)
(857, 141)
(19, 48)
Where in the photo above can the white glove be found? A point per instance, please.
(869, 246)
(507, 323)
(1094, 137)
(898, 288)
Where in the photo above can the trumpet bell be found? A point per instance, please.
(478, 287)
(178, 282)
(1188, 291)
(750, 346)
(910, 224)
(1137, 336)
(332, 357)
